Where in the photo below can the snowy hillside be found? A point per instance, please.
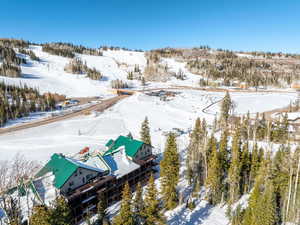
(49, 75)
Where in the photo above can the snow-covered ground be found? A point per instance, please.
(257, 102)
(70, 136)
(36, 116)
(48, 75)
(291, 116)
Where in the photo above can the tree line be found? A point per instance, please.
(30, 53)
(78, 67)
(10, 62)
(68, 49)
(19, 101)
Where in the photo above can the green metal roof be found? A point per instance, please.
(109, 143)
(60, 167)
(131, 145)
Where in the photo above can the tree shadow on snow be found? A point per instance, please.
(197, 217)
(29, 76)
(104, 78)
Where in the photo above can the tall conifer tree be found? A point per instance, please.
(145, 132)
(125, 216)
(151, 213)
(169, 172)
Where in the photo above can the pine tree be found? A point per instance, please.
(195, 153)
(234, 173)
(251, 212)
(152, 209)
(130, 135)
(213, 181)
(169, 172)
(267, 206)
(40, 216)
(225, 107)
(61, 213)
(255, 163)
(145, 132)
(125, 216)
(101, 209)
(138, 204)
(245, 169)
(130, 75)
(237, 216)
(224, 154)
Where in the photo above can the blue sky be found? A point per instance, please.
(270, 25)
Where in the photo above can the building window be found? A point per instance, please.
(89, 176)
(83, 180)
(71, 183)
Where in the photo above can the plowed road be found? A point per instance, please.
(97, 107)
(105, 104)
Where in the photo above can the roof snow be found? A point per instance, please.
(119, 163)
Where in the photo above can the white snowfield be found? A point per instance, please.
(48, 75)
(70, 136)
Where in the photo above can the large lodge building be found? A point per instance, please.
(82, 178)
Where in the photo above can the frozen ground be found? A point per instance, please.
(72, 135)
(257, 102)
(48, 75)
(37, 116)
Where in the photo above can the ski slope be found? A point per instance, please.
(48, 75)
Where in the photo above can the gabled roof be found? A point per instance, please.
(131, 145)
(62, 168)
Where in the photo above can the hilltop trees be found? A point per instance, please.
(30, 53)
(10, 62)
(68, 49)
(145, 132)
(231, 69)
(76, 66)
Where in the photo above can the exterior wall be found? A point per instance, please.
(110, 187)
(79, 178)
(145, 151)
